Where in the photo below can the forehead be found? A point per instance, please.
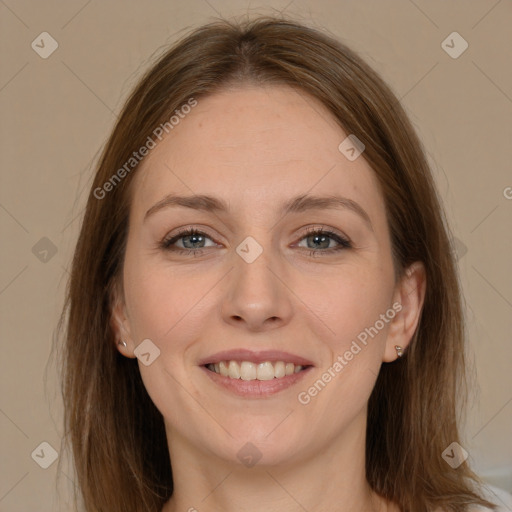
(250, 143)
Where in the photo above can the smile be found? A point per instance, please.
(247, 370)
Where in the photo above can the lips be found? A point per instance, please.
(255, 374)
(240, 355)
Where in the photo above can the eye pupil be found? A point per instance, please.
(322, 238)
(195, 239)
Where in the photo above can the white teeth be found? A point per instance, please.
(265, 371)
(223, 369)
(246, 370)
(233, 370)
(279, 369)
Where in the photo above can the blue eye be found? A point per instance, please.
(191, 237)
(320, 236)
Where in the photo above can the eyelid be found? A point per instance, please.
(310, 230)
(186, 231)
(326, 229)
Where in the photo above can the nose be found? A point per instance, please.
(257, 295)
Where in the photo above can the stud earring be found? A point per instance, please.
(399, 350)
(121, 342)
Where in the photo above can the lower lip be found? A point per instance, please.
(256, 388)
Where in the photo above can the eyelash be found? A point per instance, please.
(344, 243)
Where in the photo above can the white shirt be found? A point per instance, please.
(501, 498)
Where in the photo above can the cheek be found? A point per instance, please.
(165, 309)
(355, 345)
(352, 302)
(360, 313)
(158, 299)
(172, 310)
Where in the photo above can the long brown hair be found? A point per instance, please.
(116, 433)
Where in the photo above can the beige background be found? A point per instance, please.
(57, 113)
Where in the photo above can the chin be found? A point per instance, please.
(264, 443)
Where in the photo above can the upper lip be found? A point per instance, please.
(262, 356)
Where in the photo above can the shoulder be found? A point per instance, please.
(501, 498)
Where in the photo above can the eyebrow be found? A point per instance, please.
(297, 204)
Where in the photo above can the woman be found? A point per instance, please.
(264, 310)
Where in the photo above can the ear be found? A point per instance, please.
(120, 324)
(407, 302)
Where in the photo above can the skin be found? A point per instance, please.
(257, 147)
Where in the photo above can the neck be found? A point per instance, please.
(330, 479)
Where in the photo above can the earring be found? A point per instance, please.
(121, 342)
(399, 350)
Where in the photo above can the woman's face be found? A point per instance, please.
(254, 293)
